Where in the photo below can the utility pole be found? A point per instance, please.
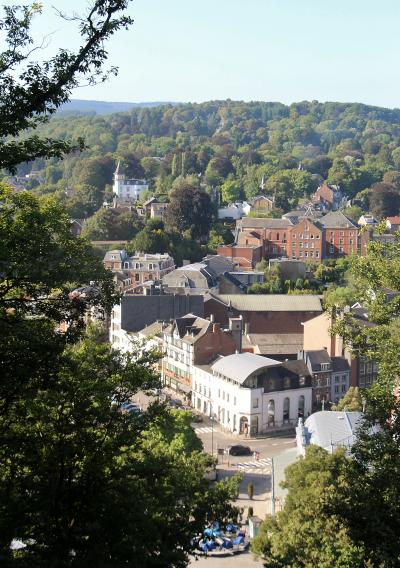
(272, 487)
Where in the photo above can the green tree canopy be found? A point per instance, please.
(189, 209)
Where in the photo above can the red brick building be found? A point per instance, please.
(272, 234)
(306, 241)
(341, 235)
(245, 256)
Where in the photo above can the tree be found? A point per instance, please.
(189, 209)
(27, 98)
(112, 225)
(219, 235)
(109, 487)
(351, 402)
(230, 191)
(150, 240)
(84, 201)
(305, 533)
(384, 200)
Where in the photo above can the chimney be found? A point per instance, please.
(235, 327)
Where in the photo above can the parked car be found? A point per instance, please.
(129, 407)
(196, 417)
(239, 450)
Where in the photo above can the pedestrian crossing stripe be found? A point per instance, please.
(259, 464)
(204, 430)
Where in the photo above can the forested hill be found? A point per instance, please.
(232, 146)
(102, 107)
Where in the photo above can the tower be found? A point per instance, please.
(118, 180)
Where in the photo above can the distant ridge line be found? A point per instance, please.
(106, 107)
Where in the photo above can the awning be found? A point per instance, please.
(184, 388)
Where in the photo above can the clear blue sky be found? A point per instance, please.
(282, 50)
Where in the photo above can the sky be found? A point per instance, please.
(271, 50)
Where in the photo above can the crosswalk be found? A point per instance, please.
(204, 429)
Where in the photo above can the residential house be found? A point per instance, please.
(317, 336)
(155, 208)
(127, 189)
(367, 220)
(249, 394)
(189, 341)
(340, 379)
(76, 226)
(263, 203)
(234, 210)
(320, 366)
(393, 223)
(198, 277)
(328, 197)
(135, 270)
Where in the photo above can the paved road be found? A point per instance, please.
(245, 560)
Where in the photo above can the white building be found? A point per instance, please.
(128, 189)
(248, 393)
(329, 430)
(234, 210)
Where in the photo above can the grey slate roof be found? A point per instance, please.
(340, 364)
(139, 311)
(318, 356)
(336, 220)
(265, 223)
(271, 302)
(277, 343)
(241, 365)
(329, 429)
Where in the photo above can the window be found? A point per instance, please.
(271, 412)
(277, 236)
(343, 388)
(300, 406)
(317, 253)
(341, 241)
(351, 241)
(341, 250)
(331, 250)
(336, 389)
(227, 397)
(342, 233)
(255, 403)
(223, 395)
(219, 393)
(317, 236)
(311, 254)
(306, 254)
(311, 236)
(137, 264)
(344, 378)
(294, 235)
(300, 245)
(195, 386)
(137, 277)
(286, 409)
(306, 245)
(336, 379)
(234, 400)
(300, 253)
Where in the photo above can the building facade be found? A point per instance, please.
(191, 341)
(128, 189)
(249, 394)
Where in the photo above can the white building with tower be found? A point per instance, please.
(128, 189)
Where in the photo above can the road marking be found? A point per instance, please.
(205, 430)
